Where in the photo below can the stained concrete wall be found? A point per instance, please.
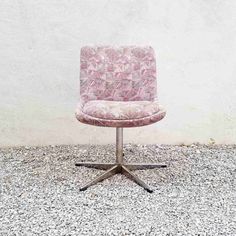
(195, 43)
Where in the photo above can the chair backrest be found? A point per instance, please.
(117, 73)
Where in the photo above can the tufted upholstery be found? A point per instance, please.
(118, 87)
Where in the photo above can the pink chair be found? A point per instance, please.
(118, 89)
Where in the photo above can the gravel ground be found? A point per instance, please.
(195, 195)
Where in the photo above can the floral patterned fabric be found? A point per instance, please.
(116, 110)
(118, 87)
(117, 73)
(91, 120)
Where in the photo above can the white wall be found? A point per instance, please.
(195, 43)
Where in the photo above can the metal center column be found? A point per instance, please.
(119, 145)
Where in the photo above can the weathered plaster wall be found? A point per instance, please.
(195, 43)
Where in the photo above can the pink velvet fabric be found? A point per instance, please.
(118, 87)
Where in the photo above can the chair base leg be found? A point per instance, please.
(95, 165)
(144, 166)
(119, 166)
(136, 179)
(115, 168)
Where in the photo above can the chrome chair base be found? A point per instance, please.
(112, 169)
(119, 166)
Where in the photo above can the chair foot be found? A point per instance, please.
(100, 166)
(136, 179)
(113, 170)
(144, 166)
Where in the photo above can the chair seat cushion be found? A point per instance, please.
(119, 110)
(120, 113)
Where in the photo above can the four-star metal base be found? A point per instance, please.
(119, 166)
